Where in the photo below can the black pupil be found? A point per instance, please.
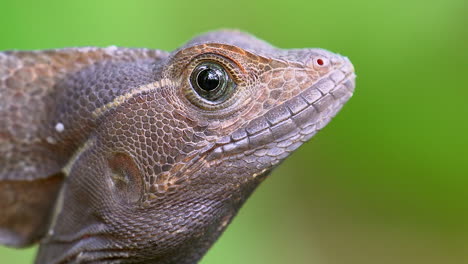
(208, 79)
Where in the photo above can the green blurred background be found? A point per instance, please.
(385, 182)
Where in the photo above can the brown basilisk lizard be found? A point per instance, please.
(118, 155)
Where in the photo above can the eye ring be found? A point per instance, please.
(211, 82)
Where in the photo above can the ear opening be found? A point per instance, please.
(125, 178)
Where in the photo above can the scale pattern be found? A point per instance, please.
(116, 159)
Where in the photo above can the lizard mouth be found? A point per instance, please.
(287, 126)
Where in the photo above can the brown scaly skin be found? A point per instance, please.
(110, 155)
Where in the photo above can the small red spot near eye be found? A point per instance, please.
(320, 62)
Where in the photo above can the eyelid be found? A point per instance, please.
(231, 69)
(234, 69)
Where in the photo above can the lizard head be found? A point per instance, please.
(175, 159)
(256, 103)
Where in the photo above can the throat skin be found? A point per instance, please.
(118, 155)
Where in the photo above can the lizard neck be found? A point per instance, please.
(192, 251)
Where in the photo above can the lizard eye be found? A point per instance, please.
(211, 82)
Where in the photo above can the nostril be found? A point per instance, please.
(320, 62)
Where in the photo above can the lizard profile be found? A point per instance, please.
(118, 155)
